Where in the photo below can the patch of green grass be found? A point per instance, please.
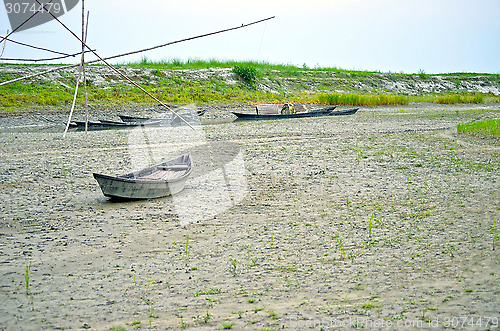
(369, 305)
(342, 99)
(16, 94)
(354, 99)
(27, 275)
(459, 98)
(208, 292)
(247, 73)
(227, 325)
(271, 241)
(481, 128)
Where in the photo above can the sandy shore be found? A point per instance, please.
(382, 217)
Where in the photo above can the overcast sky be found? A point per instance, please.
(436, 36)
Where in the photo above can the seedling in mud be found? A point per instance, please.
(347, 202)
(329, 306)
(341, 246)
(205, 318)
(450, 250)
(211, 291)
(227, 325)
(187, 251)
(151, 311)
(254, 262)
(232, 267)
(151, 314)
(27, 275)
(331, 180)
(271, 242)
(496, 240)
(148, 282)
(370, 225)
(295, 209)
(248, 256)
(183, 325)
(210, 302)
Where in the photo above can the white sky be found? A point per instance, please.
(436, 36)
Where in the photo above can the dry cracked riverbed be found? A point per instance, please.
(380, 219)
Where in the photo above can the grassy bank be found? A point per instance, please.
(176, 81)
(482, 128)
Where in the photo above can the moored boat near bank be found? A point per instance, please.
(328, 111)
(160, 180)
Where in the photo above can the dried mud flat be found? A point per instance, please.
(381, 219)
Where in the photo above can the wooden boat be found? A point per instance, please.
(104, 124)
(328, 111)
(160, 180)
(136, 119)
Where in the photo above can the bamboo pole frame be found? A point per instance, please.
(80, 73)
(136, 52)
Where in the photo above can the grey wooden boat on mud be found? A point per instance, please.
(328, 111)
(136, 119)
(158, 181)
(103, 124)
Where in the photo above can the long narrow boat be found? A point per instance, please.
(126, 118)
(160, 180)
(103, 124)
(328, 111)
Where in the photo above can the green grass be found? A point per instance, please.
(208, 292)
(247, 73)
(362, 100)
(342, 99)
(459, 98)
(482, 128)
(299, 84)
(117, 328)
(195, 64)
(227, 325)
(27, 275)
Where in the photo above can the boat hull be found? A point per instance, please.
(104, 125)
(137, 190)
(329, 111)
(141, 184)
(135, 119)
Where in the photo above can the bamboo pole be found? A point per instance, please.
(80, 72)
(39, 48)
(43, 59)
(84, 37)
(135, 52)
(73, 104)
(3, 48)
(85, 82)
(118, 72)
